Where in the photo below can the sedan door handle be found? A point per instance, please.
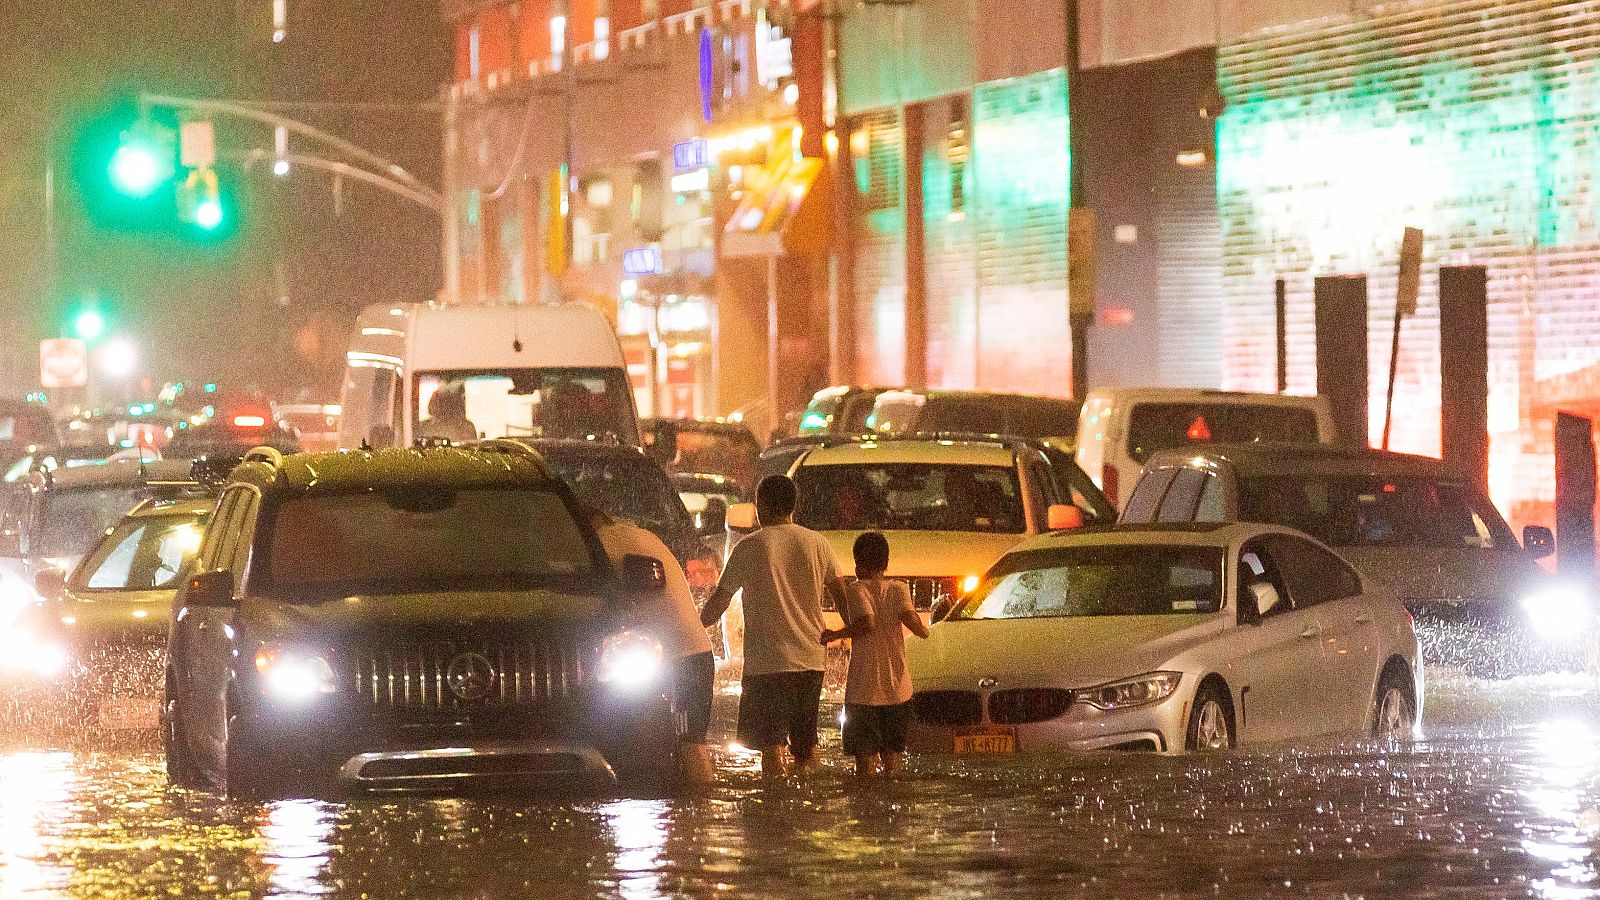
(1310, 632)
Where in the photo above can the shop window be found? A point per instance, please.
(958, 150)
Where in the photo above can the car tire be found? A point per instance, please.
(1210, 721)
(1394, 713)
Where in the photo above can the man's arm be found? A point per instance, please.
(860, 626)
(716, 605)
(836, 587)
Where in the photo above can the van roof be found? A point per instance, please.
(489, 337)
(1198, 395)
(1275, 458)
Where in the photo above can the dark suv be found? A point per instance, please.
(415, 619)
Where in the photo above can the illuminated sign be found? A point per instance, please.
(692, 154)
(690, 182)
(641, 261)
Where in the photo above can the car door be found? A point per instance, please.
(202, 648)
(1277, 669)
(1324, 585)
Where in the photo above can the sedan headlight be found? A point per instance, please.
(630, 659)
(1558, 611)
(1140, 690)
(294, 674)
(24, 654)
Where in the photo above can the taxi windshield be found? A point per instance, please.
(910, 497)
(142, 553)
(1117, 580)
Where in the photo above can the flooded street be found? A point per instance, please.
(1501, 800)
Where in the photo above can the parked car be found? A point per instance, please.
(1120, 428)
(975, 412)
(1407, 522)
(25, 428)
(704, 446)
(707, 497)
(420, 619)
(949, 507)
(839, 410)
(101, 631)
(1162, 639)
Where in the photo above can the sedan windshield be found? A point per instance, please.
(141, 554)
(419, 538)
(1374, 511)
(910, 497)
(1118, 580)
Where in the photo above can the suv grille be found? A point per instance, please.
(1021, 706)
(948, 707)
(417, 675)
(926, 590)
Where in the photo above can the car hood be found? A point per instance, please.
(143, 609)
(1067, 652)
(1448, 573)
(929, 553)
(435, 612)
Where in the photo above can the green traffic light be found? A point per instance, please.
(208, 213)
(136, 170)
(89, 324)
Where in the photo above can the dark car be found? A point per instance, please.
(398, 620)
(839, 410)
(975, 412)
(232, 435)
(1409, 522)
(25, 428)
(704, 446)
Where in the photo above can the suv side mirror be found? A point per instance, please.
(714, 518)
(664, 448)
(51, 583)
(212, 589)
(742, 517)
(643, 574)
(1064, 517)
(1538, 541)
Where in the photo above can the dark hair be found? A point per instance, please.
(871, 551)
(776, 495)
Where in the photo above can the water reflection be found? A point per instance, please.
(34, 788)
(639, 830)
(296, 834)
(1565, 762)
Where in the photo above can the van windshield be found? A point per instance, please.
(560, 403)
(1162, 426)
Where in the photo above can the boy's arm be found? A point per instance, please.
(860, 626)
(908, 614)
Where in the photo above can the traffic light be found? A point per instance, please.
(145, 159)
(200, 201)
(149, 172)
(88, 324)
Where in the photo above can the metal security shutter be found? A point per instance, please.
(1478, 120)
(949, 250)
(1188, 279)
(877, 150)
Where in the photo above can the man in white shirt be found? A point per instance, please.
(783, 570)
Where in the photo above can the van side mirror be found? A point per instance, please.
(213, 590)
(1064, 517)
(714, 518)
(1538, 541)
(10, 545)
(742, 517)
(51, 583)
(643, 574)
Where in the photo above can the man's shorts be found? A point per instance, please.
(780, 708)
(875, 729)
(693, 681)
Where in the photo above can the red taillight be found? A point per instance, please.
(1108, 482)
(249, 421)
(702, 575)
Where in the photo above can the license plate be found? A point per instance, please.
(988, 740)
(130, 713)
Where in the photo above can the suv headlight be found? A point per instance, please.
(1140, 690)
(1558, 611)
(23, 653)
(293, 674)
(630, 659)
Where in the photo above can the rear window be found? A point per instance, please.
(1153, 427)
(73, 521)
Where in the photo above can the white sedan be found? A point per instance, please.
(1165, 638)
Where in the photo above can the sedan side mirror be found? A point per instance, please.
(212, 589)
(643, 574)
(1538, 541)
(714, 518)
(1064, 517)
(1267, 598)
(742, 517)
(51, 583)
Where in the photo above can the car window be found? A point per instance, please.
(1141, 507)
(1312, 574)
(1370, 510)
(1162, 426)
(1179, 503)
(143, 553)
(631, 488)
(910, 497)
(1213, 503)
(1257, 567)
(212, 554)
(1113, 580)
(73, 521)
(245, 533)
(1038, 417)
(1039, 473)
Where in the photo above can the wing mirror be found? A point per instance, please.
(1538, 541)
(643, 574)
(714, 518)
(742, 517)
(1267, 598)
(213, 590)
(51, 583)
(1064, 517)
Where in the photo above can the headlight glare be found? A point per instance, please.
(1140, 690)
(630, 659)
(294, 674)
(1558, 611)
(24, 654)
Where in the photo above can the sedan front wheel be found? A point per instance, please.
(1393, 716)
(1211, 722)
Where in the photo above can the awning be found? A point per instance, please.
(784, 210)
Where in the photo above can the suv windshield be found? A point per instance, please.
(1099, 581)
(1373, 511)
(910, 497)
(464, 405)
(142, 554)
(416, 539)
(71, 521)
(1162, 426)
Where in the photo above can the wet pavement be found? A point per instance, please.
(1501, 799)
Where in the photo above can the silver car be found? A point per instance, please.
(1165, 638)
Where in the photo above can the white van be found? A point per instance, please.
(1119, 428)
(420, 370)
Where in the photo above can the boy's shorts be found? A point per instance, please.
(779, 708)
(693, 681)
(875, 729)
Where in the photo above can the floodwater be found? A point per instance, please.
(1501, 799)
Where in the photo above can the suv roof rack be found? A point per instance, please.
(272, 456)
(512, 447)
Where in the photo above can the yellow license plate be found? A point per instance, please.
(987, 742)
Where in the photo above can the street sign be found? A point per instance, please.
(641, 261)
(197, 145)
(691, 154)
(63, 363)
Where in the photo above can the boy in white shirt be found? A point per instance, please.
(877, 693)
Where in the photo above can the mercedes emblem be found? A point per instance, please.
(470, 676)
